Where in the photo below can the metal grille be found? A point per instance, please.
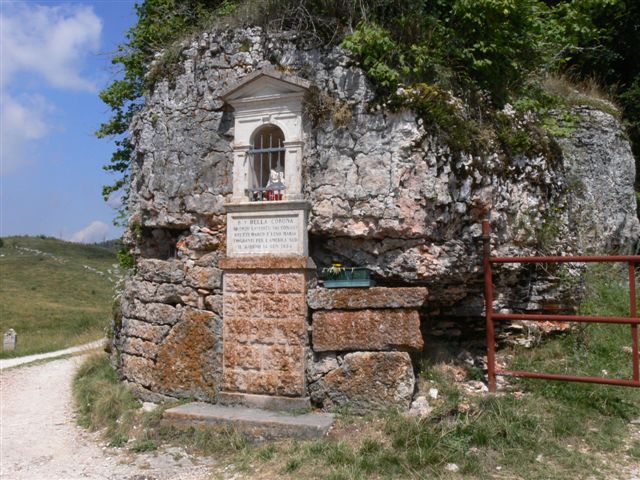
(267, 158)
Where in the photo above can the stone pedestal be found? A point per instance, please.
(361, 343)
(265, 325)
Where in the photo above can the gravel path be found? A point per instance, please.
(39, 438)
(14, 362)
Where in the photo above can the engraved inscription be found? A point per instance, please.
(272, 234)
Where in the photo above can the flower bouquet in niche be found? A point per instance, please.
(339, 276)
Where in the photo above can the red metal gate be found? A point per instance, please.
(632, 320)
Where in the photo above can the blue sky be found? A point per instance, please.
(55, 58)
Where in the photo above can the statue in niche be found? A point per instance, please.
(276, 185)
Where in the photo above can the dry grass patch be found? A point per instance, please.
(586, 92)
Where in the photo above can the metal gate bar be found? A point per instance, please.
(491, 317)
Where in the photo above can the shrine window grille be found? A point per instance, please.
(267, 165)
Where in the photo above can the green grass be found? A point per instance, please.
(102, 401)
(49, 298)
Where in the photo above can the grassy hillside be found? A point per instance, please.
(55, 294)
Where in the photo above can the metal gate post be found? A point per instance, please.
(488, 301)
(633, 311)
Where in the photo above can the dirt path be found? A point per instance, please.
(14, 362)
(39, 438)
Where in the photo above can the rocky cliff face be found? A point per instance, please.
(385, 193)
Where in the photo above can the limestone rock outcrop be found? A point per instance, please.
(385, 193)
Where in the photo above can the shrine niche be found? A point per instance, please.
(266, 269)
(267, 213)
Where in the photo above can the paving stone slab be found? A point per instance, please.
(254, 423)
(265, 402)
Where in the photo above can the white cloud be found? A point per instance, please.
(96, 231)
(49, 40)
(22, 119)
(115, 200)
(50, 43)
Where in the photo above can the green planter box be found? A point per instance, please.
(349, 278)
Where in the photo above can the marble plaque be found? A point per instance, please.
(260, 233)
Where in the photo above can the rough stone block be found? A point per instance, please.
(236, 282)
(340, 330)
(167, 293)
(189, 361)
(362, 298)
(291, 331)
(368, 381)
(291, 283)
(321, 364)
(242, 356)
(138, 370)
(157, 313)
(214, 303)
(263, 282)
(249, 330)
(265, 402)
(241, 305)
(137, 346)
(296, 305)
(287, 358)
(161, 271)
(253, 423)
(273, 306)
(266, 262)
(266, 382)
(143, 330)
(208, 260)
(209, 278)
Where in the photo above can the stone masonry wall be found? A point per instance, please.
(170, 335)
(361, 339)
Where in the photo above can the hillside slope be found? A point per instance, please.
(54, 293)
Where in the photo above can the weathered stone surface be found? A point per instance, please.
(599, 165)
(320, 364)
(137, 346)
(144, 330)
(384, 329)
(157, 313)
(204, 277)
(166, 293)
(214, 303)
(367, 381)
(254, 423)
(138, 370)
(265, 332)
(9, 340)
(265, 382)
(265, 262)
(285, 331)
(360, 298)
(162, 271)
(265, 402)
(385, 192)
(189, 361)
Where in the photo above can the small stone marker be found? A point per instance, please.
(9, 340)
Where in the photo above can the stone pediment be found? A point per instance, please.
(265, 84)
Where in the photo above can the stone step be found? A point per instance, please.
(254, 423)
(295, 405)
